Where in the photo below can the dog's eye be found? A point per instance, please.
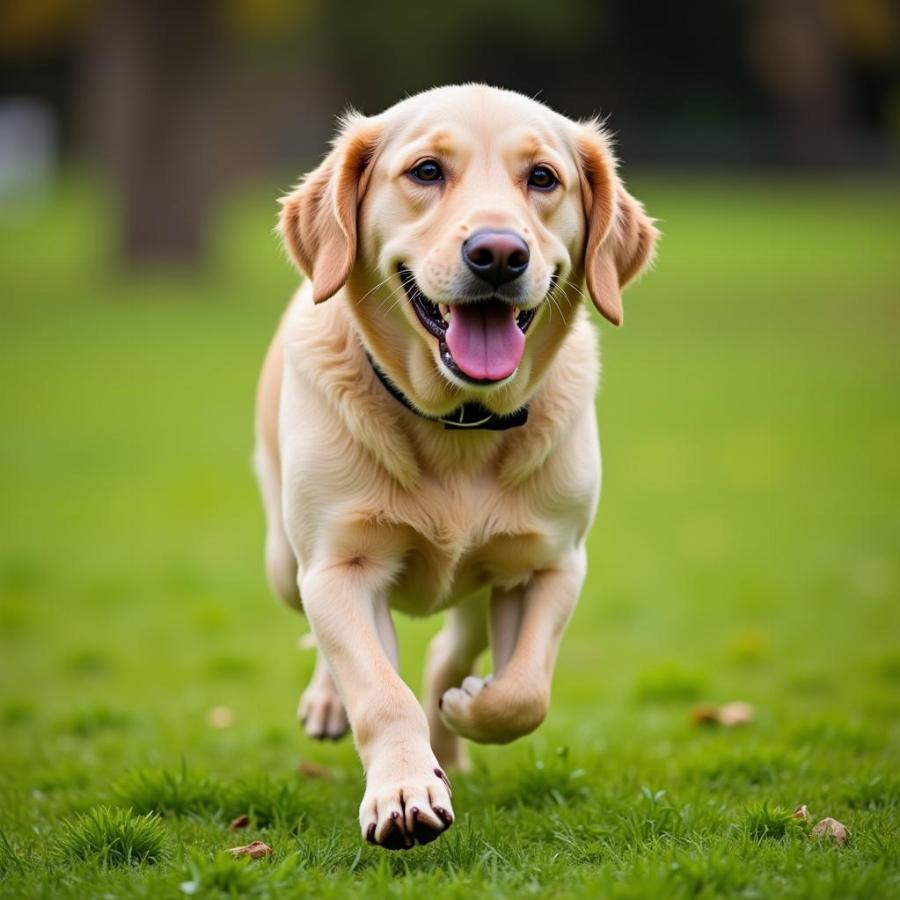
(542, 178)
(427, 171)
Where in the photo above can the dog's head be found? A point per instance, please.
(463, 222)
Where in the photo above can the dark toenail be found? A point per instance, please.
(370, 834)
(444, 815)
(445, 779)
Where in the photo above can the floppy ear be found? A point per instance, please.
(621, 237)
(318, 218)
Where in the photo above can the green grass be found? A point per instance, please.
(746, 549)
(112, 837)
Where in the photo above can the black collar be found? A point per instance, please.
(468, 417)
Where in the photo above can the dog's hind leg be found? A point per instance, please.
(320, 711)
(452, 656)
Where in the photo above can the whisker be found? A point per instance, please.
(395, 297)
(555, 303)
(372, 290)
(392, 298)
(561, 291)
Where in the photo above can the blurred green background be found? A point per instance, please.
(747, 539)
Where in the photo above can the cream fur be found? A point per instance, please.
(371, 508)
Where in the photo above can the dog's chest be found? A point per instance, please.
(469, 534)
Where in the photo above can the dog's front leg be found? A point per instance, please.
(527, 625)
(407, 796)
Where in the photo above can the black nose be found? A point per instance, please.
(496, 256)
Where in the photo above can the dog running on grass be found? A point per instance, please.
(426, 434)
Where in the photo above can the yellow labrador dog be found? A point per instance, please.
(426, 438)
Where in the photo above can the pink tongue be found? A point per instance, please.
(485, 340)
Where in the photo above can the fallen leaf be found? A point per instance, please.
(705, 714)
(737, 713)
(309, 769)
(221, 717)
(255, 850)
(242, 821)
(801, 812)
(829, 827)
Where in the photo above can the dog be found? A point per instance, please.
(426, 439)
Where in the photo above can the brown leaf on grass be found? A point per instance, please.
(729, 715)
(737, 713)
(309, 769)
(829, 827)
(705, 714)
(801, 812)
(221, 717)
(242, 821)
(255, 850)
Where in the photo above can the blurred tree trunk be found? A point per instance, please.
(149, 97)
(795, 50)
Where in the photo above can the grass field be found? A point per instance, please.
(746, 549)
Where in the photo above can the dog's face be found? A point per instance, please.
(475, 203)
(464, 219)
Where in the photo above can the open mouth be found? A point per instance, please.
(479, 341)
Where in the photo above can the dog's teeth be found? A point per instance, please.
(445, 311)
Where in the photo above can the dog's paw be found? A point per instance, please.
(458, 706)
(398, 813)
(492, 711)
(322, 714)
